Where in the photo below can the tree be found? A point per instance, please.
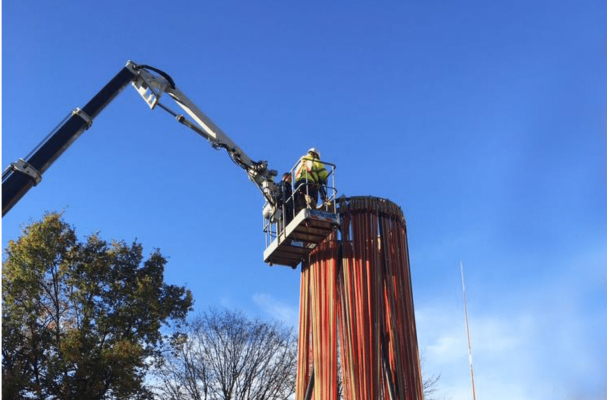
(226, 356)
(81, 320)
(430, 384)
(430, 388)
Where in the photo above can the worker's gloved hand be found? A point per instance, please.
(310, 201)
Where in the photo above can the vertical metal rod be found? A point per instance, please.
(468, 331)
(310, 386)
(387, 369)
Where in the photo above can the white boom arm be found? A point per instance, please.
(151, 87)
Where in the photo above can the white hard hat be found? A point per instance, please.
(315, 151)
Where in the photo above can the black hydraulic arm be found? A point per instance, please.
(21, 176)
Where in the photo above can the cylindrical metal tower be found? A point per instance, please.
(356, 296)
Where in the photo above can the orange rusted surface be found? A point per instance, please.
(356, 309)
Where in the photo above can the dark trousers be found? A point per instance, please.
(307, 195)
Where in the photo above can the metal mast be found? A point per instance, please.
(468, 331)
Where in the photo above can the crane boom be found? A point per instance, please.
(19, 177)
(287, 243)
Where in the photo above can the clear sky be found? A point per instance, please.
(485, 121)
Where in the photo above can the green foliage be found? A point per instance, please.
(81, 320)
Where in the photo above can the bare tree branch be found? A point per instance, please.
(227, 356)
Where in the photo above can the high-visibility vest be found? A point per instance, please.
(311, 169)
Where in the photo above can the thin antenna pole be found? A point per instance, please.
(468, 331)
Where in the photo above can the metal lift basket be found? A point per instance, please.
(289, 245)
(300, 237)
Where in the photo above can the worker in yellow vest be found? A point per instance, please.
(310, 177)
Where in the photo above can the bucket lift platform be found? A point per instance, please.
(307, 229)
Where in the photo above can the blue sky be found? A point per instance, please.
(485, 121)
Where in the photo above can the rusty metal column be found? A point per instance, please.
(356, 291)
